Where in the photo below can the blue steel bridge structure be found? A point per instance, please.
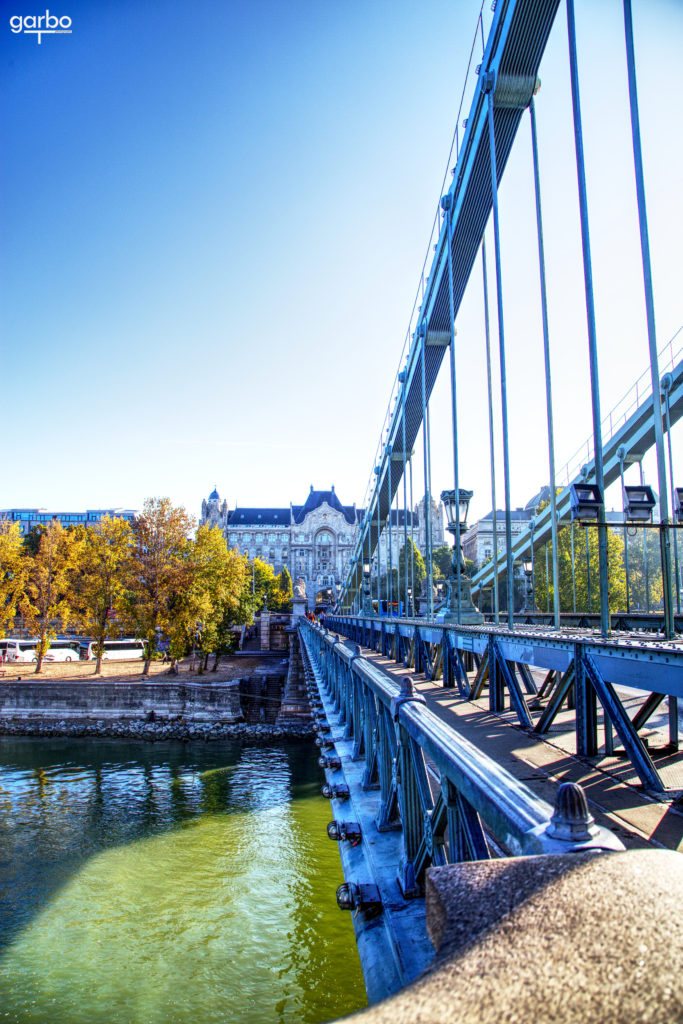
(582, 660)
(422, 782)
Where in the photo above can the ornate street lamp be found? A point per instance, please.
(459, 605)
(528, 567)
(367, 602)
(410, 602)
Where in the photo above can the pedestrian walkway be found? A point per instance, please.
(615, 801)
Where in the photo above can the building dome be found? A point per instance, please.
(214, 496)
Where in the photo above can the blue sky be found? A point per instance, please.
(214, 217)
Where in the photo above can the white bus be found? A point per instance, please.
(26, 650)
(114, 650)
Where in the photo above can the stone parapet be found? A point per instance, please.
(582, 938)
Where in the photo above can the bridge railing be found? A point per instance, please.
(582, 673)
(452, 802)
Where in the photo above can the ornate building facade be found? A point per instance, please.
(314, 540)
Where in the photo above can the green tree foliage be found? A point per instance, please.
(441, 562)
(645, 588)
(216, 598)
(285, 591)
(163, 571)
(48, 592)
(32, 539)
(585, 561)
(266, 586)
(12, 573)
(417, 572)
(105, 574)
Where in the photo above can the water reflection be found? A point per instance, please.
(168, 882)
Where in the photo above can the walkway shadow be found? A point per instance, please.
(63, 801)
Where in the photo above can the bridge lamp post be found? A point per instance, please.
(459, 607)
(409, 602)
(528, 567)
(367, 603)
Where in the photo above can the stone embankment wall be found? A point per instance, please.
(195, 702)
(143, 710)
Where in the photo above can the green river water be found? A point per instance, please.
(169, 882)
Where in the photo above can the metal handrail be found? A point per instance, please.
(513, 813)
(629, 403)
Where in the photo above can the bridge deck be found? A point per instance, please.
(611, 786)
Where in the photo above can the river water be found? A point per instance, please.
(155, 883)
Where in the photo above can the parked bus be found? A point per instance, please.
(114, 650)
(26, 650)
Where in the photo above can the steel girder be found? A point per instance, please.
(505, 657)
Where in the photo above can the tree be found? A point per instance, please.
(237, 607)
(217, 595)
(285, 592)
(12, 573)
(32, 539)
(585, 567)
(265, 584)
(104, 577)
(646, 589)
(162, 570)
(47, 593)
(417, 571)
(441, 562)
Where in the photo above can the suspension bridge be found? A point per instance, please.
(445, 733)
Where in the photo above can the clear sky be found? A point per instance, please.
(214, 216)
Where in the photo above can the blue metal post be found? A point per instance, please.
(412, 538)
(590, 316)
(379, 553)
(390, 560)
(398, 560)
(651, 331)
(425, 456)
(532, 527)
(645, 554)
(501, 345)
(403, 377)
(546, 356)
(573, 571)
(454, 400)
(588, 569)
(430, 534)
(492, 456)
(666, 388)
(622, 455)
